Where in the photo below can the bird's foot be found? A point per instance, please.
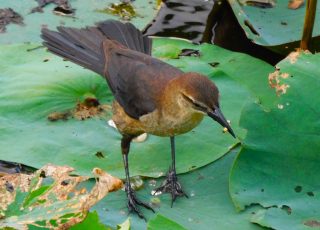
(134, 202)
(171, 185)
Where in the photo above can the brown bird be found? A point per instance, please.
(150, 96)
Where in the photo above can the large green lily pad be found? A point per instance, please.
(31, 89)
(278, 166)
(86, 13)
(272, 26)
(209, 205)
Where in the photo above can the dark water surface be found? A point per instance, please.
(210, 21)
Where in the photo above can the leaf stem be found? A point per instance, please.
(311, 9)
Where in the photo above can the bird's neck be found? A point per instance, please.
(176, 109)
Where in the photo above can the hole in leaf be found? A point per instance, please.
(250, 26)
(310, 193)
(287, 209)
(99, 154)
(298, 188)
(63, 11)
(42, 174)
(214, 64)
(189, 52)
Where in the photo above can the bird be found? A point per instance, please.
(150, 96)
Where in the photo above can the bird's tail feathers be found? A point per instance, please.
(126, 34)
(84, 46)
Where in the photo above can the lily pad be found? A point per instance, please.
(86, 13)
(278, 166)
(50, 198)
(92, 221)
(36, 84)
(162, 222)
(209, 203)
(274, 25)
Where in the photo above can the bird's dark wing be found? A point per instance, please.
(136, 79)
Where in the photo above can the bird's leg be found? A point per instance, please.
(133, 201)
(171, 184)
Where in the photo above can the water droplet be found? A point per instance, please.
(280, 106)
(155, 193)
(152, 183)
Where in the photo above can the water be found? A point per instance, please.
(210, 21)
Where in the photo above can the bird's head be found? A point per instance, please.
(202, 95)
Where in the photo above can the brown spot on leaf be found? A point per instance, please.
(293, 56)
(8, 16)
(56, 116)
(295, 4)
(60, 205)
(275, 82)
(312, 223)
(89, 108)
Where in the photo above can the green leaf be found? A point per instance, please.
(208, 205)
(278, 166)
(86, 14)
(64, 204)
(32, 196)
(162, 222)
(36, 84)
(90, 222)
(272, 26)
(15, 208)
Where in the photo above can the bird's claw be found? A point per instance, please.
(171, 185)
(134, 202)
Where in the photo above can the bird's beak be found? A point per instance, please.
(217, 115)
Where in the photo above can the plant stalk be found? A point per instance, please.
(311, 9)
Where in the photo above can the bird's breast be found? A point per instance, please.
(172, 124)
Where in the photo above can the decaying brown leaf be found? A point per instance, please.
(274, 82)
(295, 4)
(312, 223)
(293, 56)
(8, 16)
(89, 108)
(63, 202)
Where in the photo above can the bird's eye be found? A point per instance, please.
(197, 105)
